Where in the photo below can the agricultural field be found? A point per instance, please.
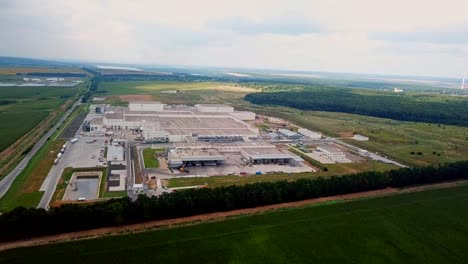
(25, 189)
(173, 92)
(25, 107)
(24, 70)
(420, 227)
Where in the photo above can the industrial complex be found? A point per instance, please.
(202, 140)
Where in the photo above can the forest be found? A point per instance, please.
(24, 223)
(419, 108)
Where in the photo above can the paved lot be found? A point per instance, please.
(79, 154)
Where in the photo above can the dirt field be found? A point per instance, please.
(136, 97)
(170, 223)
(12, 70)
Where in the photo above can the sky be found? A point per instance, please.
(407, 37)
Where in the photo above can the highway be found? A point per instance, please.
(6, 182)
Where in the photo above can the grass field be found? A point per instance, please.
(423, 227)
(25, 189)
(149, 158)
(15, 70)
(31, 105)
(333, 169)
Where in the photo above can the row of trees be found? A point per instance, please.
(398, 107)
(93, 86)
(23, 223)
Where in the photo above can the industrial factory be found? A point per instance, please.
(158, 122)
(203, 135)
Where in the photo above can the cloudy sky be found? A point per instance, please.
(417, 37)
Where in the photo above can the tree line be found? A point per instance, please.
(22, 223)
(93, 86)
(398, 107)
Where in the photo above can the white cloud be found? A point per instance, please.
(374, 36)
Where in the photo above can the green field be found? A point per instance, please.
(149, 158)
(424, 227)
(25, 189)
(30, 105)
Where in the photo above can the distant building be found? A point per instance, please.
(310, 134)
(289, 134)
(144, 106)
(214, 108)
(331, 153)
(396, 90)
(273, 135)
(360, 137)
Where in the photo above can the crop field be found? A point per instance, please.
(421, 227)
(333, 170)
(20, 70)
(26, 107)
(175, 92)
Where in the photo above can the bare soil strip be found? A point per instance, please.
(191, 220)
(136, 97)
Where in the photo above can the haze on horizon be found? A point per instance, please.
(389, 37)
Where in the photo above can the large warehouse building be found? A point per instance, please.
(179, 123)
(205, 154)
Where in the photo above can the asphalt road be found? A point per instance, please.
(6, 182)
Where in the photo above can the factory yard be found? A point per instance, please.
(192, 142)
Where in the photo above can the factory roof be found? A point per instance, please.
(273, 135)
(194, 155)
(96, 121)
(286, 132)
(144, 102)
(331, 150)
(214, 105)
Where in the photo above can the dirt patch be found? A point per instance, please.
(236, 88)
(184, 221)
(136, 97)
(345, 134)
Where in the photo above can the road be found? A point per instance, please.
(6, 182)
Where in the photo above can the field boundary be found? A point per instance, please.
(218, 216)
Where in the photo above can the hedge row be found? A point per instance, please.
(22, 223)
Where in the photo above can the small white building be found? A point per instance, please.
(289, 134)
(95, 125)
(243, 115)
(331, 153)
(396, 90)
(214, 108)
(360, 137)
(146, 106)
(309, 134)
